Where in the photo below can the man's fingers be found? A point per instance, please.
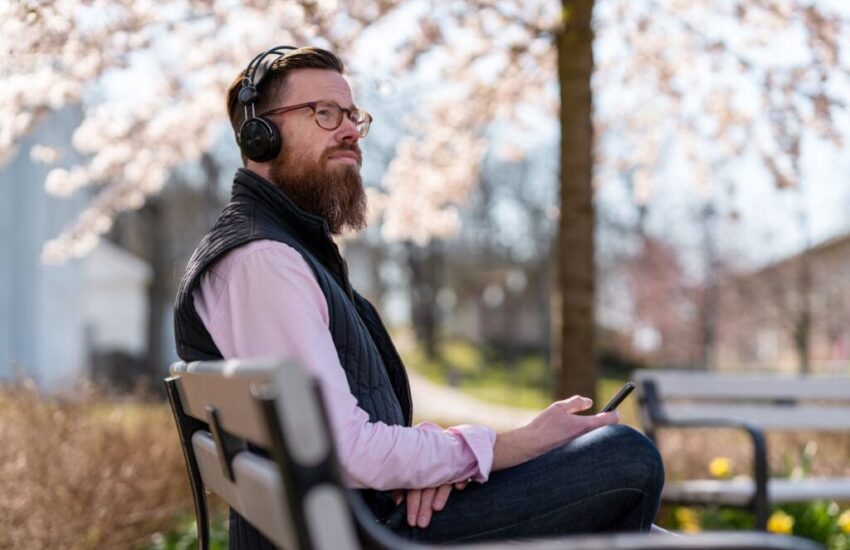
(461, 485)
(577, 403)
(414, 496)
(606, 418)
(398, 496)
(421, 503)
(425, 505)
(601, 419)
(441, 497)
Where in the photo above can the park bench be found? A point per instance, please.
(754, 403)
(256, 434)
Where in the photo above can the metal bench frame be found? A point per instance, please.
(256, 433)
(777, 394)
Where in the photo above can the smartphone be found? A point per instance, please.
(627, 388)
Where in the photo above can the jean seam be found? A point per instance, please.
(643, 512)
(556, 510)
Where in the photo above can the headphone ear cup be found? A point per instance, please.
(259, 139)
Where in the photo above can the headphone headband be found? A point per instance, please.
(258, 138)
(257, 70)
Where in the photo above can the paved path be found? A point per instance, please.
(447, 406)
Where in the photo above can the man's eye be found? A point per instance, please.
(325, 112)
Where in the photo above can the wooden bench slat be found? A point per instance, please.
(686, 384)
(228, 388)
(765, 416)
(256, 493)
(738, 492)
(718, 540)
(326, 505)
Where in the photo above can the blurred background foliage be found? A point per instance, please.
(561, 192)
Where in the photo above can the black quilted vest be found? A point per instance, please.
(260, 210)
(376, 376)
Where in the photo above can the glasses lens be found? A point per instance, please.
(328, 115)
(362, 120)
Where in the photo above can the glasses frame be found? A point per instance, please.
(344, 113)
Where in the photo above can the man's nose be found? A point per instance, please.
(347, 131)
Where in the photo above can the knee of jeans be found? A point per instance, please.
(643, 456)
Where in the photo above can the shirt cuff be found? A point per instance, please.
(480, 441)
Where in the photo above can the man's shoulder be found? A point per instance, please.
(262, 251)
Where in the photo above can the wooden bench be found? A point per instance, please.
(256, 434)
(753, 403)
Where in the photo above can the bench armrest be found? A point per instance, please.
(654, 415)
(756, 434)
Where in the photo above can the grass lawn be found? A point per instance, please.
(524, 382)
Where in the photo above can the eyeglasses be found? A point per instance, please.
(328, 115)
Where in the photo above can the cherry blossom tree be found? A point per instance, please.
(634, 85)
(150, 76)
(638, 85)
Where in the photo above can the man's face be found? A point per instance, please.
(320, 169)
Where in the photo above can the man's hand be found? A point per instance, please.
(422, 503)
(556, 425)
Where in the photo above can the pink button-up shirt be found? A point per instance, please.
(262, 300)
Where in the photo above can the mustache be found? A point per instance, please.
(354, 148)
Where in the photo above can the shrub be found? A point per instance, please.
(821, 521)
(84, 470)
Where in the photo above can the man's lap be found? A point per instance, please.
(589, 484)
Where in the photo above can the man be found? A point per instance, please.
(268, 280)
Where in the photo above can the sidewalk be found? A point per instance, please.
(448, 406)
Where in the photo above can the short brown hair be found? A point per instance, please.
(274, 83)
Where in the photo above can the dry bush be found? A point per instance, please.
(687, 453)
(86, 471)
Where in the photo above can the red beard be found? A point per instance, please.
(335, 194)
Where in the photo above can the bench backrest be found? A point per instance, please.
(775, 402)
(292, 493)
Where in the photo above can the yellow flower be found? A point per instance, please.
(720, 467)
(844, 521)
(687, 519)
(780, 523)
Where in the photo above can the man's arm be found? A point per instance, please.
(262, 300)
(556, 425)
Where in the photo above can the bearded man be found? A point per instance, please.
(268, 280)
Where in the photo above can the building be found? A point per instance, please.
(790, 316)
(55, 319)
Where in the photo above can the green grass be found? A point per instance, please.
(185, 535)
(524, 382)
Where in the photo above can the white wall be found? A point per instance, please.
(116, 307)
(45, 310)
(41, 333)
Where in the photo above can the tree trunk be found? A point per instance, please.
(153, 222)
(803, 313)
(710, 299)
(425, 264)
(575, 361)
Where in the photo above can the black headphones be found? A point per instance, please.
(258, 137)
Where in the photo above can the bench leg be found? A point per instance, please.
(760, 498)
(760, 514)
(186, 426)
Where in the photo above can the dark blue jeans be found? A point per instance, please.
(607, 480)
